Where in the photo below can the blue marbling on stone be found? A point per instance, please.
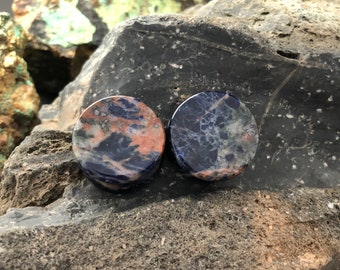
(118, 141)
(213, 135)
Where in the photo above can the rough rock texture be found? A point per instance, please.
(176, 222)
(295, 28)
(222, 230)
(63, 34)
(38, 171)
(19, 102)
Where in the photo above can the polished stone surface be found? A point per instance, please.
(213, 135)
(118, 141)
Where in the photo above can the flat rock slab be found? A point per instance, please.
(222, 230)
(163, 60)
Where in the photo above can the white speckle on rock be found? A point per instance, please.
(330, 205)
(172, 184)
(328, 142)
(330, 99)
(174, 65)
(294, 167)
(10, 59)
(289, 116)
(299, 180)
(269, 66)
(325, 164)
(319, 110)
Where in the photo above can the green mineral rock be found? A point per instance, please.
(64, 23)
(64, 33)
(19, 101)
(113, 12)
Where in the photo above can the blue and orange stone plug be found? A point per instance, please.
(118, 142)
(213, 136)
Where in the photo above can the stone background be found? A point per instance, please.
(55, 219)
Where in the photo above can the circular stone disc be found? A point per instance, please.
(213, 135)
(118, 140)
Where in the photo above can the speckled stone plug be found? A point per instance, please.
(213, 135)
(118, 142)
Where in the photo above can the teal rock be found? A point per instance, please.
(19, 101)
(63, 34)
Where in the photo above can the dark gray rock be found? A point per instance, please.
(334, 264)
(163, 60)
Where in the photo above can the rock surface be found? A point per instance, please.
(19, 102)
(177, 222)
(220, 230)
(164, 60)
(294, 28)
(38, 171)
(63, 34)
